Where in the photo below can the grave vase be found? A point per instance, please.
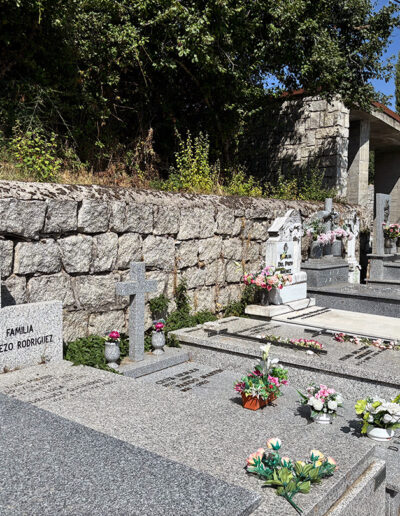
(379, 434)
(274, 296)
(388, 245)
(158, 342)
(323, 418)
(264, 297)
(252, 403)
(337, 248)
(112, 354)
(315, 250)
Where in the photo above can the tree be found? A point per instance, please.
(397, 84)
(102, 72)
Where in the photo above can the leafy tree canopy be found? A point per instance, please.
(102, 72)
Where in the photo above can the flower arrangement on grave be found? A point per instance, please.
(112, 352)
(286, 476)
(391, 230)
(377, 343)
(268, 278)
(323, 401)
(159, 325)
(313, 229)
(342, 233)
(377, 413)
(114, 336)
(263, 384)
(297, 343)
(158, 337)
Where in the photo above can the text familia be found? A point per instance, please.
(19, 338)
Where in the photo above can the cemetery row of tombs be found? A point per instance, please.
(305, 396)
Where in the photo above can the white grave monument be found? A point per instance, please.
(283, 251)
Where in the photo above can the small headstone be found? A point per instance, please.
(136, 288)
(30, 334)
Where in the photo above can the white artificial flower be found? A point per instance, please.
(311, 401)
(332, 405)
(309, 352)
(387, 418)
(318, 405)
(370, 419)
(265, 348)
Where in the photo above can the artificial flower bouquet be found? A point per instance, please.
(159, 325)
(377, 343)
(114, 336)
(316, 230)
(263, 383)
(286, 476)
(270, 277)
(378, 412)
(322, 400)
(391, 230)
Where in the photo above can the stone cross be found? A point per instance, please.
(136, 288)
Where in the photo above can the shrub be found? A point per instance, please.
(89, 351)
(193, 172)
(35, 154)
(240, 184)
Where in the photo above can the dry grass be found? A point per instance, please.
(113, 176)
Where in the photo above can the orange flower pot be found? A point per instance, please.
(252, 403)
(272, 397)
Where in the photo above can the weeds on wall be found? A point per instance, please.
(33, 155)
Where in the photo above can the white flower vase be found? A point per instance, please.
(158, 342)
(379, 434)
(112, 354)
(323, 418)
(275, 296)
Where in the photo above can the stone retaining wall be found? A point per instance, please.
(73, 243)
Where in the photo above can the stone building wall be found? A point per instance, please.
(310, 133)
(73, 243)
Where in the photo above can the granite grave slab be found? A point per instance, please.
(213, 436)
(52, 465)
(363, 363)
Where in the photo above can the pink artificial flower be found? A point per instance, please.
(114, 335)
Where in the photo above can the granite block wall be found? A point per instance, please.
(309, 132)
(73, 243)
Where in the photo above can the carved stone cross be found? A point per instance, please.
(136, 288)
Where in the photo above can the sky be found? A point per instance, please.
(394, 48)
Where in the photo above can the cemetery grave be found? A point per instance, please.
(172, 425)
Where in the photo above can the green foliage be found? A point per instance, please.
(237, 308)
(89, 351)
(102, 73)
(35, 154)
(193, 172)
(243, 185)
(159, 306)
(307, 187)
(397, 84)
